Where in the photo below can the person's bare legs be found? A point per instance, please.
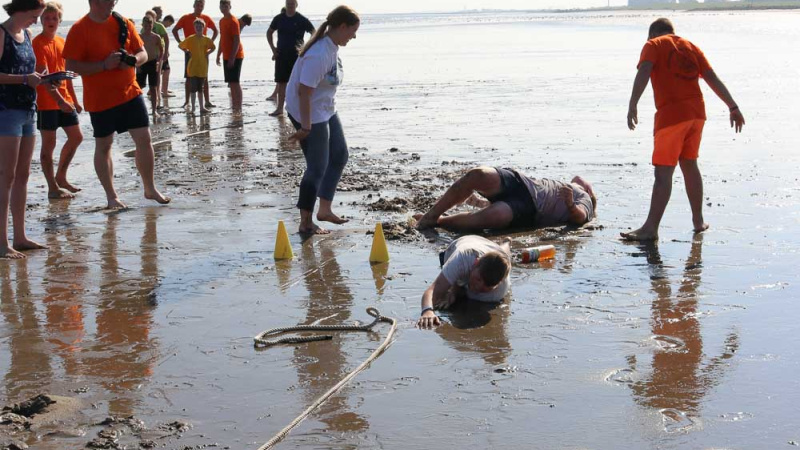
(145, 162)
(280, 100)
(104, 167)
(325, 214)
(662, 189)
(236, 96)
(307, 225)
(54, 191)
(693, 181)
(484, 180)
(207, 94)
(203, 106)
(165, 84)
(19, 195)
(188, 93)
(496, 216)
(274, 96)
(74, 140)
(153, 94)
(8, 169)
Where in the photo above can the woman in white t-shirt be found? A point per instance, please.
(312, 109)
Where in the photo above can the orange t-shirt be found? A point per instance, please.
(228, 28)
(49, 55)
(677, 67)
(89, 41)
(186, 23)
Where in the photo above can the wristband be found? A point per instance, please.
(426, 309)
(734, 108)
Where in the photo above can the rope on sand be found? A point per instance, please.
(260, 342)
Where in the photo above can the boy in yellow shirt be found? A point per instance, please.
(198, 47)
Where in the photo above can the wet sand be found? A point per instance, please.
(690, 343)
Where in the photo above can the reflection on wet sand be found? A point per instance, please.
(476, 327)
(30, 369)
(679, 381)
(123, 352)
(66, 269)
(320, 365)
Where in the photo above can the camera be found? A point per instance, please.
(127, 58)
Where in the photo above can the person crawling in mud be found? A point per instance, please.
(473, 268)
(508, 199)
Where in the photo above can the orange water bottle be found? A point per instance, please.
(539, 253)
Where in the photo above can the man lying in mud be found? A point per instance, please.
(473, 268)
(509, 199)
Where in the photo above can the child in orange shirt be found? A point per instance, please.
(58, 108)
(675, 65)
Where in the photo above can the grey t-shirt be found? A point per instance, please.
(459, 258)
(550, 209)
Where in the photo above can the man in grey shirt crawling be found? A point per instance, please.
(508, 199)
(473, 267)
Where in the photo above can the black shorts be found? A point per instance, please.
(515, 194)
(147, 73)
(284, 66)
(120, 119)
(232, 75)
(165, 65)
(196, 84)
(52, 120)
(186, 58)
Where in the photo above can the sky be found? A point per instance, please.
(74, 9)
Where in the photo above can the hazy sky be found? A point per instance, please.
(74, 9)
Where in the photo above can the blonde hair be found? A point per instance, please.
(150, 12)
(54, 7)
(341, 15)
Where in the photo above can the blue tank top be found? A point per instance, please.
(18, 59)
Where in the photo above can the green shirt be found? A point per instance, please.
(158, 29)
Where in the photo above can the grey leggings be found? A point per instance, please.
(326, 155)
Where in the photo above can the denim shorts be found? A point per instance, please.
(17, 122)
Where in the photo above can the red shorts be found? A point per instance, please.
(676, 142)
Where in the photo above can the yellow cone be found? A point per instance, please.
(283, 249)
(379, 253)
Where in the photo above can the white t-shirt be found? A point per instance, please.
(320, 68)
(459, 258)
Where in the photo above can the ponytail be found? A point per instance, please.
(341, 15)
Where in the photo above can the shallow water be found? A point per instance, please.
(688, 344)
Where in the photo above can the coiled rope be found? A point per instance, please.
(261, 342)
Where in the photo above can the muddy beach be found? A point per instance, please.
(139, 323)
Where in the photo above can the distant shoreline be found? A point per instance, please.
(696, 7)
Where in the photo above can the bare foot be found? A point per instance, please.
(10, 253)
(59, 194)
(701, 228)
(276, 113)
(114, 203)
(64, 184)
(156, 115)
(167, 94)
(28, 244)
(640, 235)
(271, 98)
(210, 105)
(204, 111)
(158, 196)
(331, 217)
(313, 229)
(185, 106)
(424, 222)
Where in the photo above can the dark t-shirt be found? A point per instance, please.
(291, 31)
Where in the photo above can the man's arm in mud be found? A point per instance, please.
(436, 292)
(577, 214)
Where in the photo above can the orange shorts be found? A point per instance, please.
(675, 142)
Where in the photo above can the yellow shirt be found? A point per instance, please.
(198, 47)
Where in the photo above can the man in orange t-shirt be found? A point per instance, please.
(110, 92)
(230, 45)
(675, 66)
(186, 23)
(57, 108)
